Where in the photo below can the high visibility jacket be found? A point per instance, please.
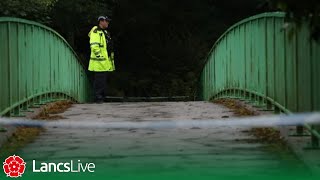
(99, 58)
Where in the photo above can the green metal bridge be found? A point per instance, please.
(257, 60)
(260, 61)
(37, 66)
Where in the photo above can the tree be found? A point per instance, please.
(162, 43)
(37, 10)
(73, 18)
(299, 11)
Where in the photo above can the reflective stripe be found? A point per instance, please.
(92, 44)
(95, 44)
(98, 59)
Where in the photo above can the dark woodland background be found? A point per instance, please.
(160, 45)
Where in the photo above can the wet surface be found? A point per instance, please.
(151, 153)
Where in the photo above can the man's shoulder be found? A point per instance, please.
(95, 29)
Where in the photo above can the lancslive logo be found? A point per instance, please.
(14, 166)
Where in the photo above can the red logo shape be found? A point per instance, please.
(14, 166)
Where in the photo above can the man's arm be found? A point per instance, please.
(95, 44)
(110, 47)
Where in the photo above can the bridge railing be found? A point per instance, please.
(259, 60)
(37, 66)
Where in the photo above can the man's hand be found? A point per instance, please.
(112, 61)
(112, 56)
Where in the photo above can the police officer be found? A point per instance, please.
(102, 56)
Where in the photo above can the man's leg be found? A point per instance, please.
(100, 81)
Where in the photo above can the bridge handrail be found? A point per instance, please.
(259, 60)
(37, 66)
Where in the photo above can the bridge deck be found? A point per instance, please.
(160, 152)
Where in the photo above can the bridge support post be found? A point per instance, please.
(239, 94)
(314, 145)
(277, 110)
(269, 106)
(33, 103)
(46, 99)
(259, 102)
(315, 142)
(16, 112)
(234, 94)
(249, 98)
(300, 132)
(25, 107)
(39, 101)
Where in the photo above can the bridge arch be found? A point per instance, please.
(260, 61)
(37, 65)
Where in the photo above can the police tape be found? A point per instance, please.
(257, 121)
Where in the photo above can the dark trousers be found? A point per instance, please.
(99, 85)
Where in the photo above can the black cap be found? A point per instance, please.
(104, 18)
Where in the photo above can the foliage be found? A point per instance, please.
(299, 11)
(37, 10)
(160, 44)
(73, 18)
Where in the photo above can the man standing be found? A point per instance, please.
(101, 58)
